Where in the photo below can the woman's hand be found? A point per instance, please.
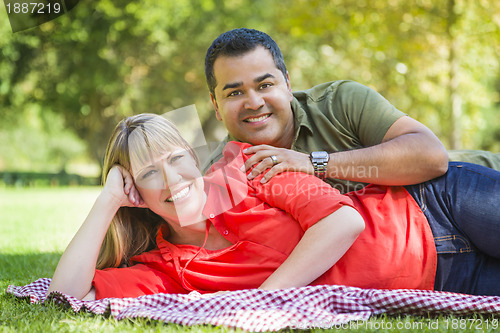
(121, 188)
(76, 268)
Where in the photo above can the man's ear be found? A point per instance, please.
(216, 107)
(289, 86)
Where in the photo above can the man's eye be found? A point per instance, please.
(234, 93)
(265, 85)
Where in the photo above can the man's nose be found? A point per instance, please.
(254, 100)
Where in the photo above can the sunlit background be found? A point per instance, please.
(66, 83)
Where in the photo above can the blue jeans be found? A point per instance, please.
(463, 210)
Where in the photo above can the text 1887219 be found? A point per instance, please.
(33, 8)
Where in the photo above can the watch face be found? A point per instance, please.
(320, 155)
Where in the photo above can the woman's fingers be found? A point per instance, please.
(121, 182)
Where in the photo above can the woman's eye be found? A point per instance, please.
(148, 174)
(176, 158)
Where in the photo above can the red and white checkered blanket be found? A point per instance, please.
(258, 310)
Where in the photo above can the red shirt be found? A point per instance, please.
(265, 222)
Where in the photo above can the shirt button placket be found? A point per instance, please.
(225, 232)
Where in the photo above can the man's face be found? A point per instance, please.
(252, 99)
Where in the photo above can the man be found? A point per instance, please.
(337, 130)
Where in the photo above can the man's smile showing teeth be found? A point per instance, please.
(255, 120)
(181, 194)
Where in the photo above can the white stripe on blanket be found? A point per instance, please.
(258, 310)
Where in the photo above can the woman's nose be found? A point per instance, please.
(254, 100)
(171, 175)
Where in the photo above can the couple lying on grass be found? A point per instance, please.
(159, 226)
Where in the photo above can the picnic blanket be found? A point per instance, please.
(258, 310)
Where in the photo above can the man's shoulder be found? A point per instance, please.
(214, 156)
(226, 152)
(328, 98)
(326, 90)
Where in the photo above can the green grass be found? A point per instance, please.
(37, 224)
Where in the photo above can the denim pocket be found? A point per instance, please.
(452, 244)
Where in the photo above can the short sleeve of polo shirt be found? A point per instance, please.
(306, 198)
(370, 114)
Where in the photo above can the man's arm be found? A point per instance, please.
(408, 154)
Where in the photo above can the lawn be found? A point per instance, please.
(35, 227)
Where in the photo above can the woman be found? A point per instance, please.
(158, 226)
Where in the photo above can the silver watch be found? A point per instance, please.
(319, 160)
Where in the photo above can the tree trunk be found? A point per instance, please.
(454, 98)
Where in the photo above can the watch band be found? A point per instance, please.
(320, 170)
(319, 160)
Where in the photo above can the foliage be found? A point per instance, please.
(402, 49)
(81, 73)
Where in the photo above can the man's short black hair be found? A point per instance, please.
(237, 42)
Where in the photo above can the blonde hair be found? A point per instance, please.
(133, 230)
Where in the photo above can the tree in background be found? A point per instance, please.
(435, 60)
(78, 75)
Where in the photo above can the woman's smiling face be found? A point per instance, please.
(171, 185)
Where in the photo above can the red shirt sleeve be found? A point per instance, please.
(134, 281)
(307, 198)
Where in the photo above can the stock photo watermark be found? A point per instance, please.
(27, 14)
(462, 324)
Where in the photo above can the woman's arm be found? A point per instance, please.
(322, 245)
(75, 271)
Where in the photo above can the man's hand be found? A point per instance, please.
(285, 160)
